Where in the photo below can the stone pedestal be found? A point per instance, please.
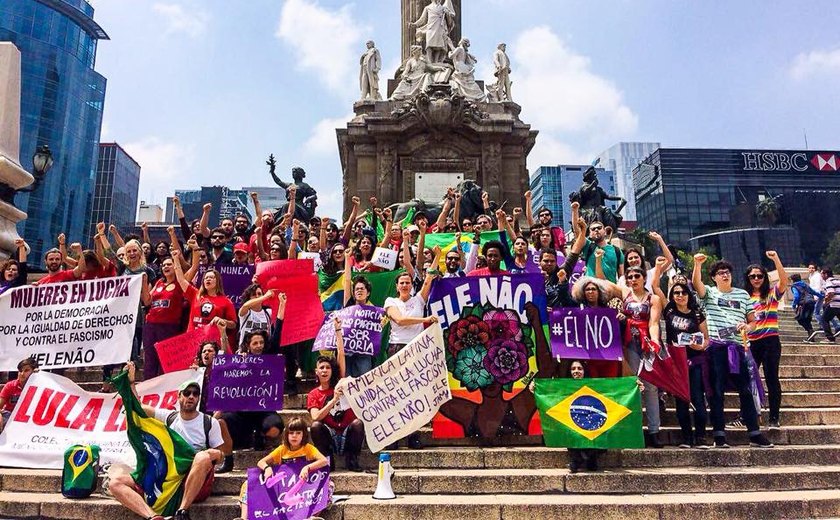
(389, 145)
(11, 173)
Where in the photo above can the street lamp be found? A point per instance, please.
(42, 161)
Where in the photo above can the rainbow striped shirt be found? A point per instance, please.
(766, 314)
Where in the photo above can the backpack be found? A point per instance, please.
(81, 466)
(208, 423)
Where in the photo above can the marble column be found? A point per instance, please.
(11, 173)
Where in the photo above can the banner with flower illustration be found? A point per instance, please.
(493, 329)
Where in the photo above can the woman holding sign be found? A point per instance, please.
(334, 428)
(208, 304)
(685, 327)
(356, 292)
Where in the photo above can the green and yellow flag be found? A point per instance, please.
(163, 456)
(590, 413)
(446, 241)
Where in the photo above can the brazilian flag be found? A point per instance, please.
(163, 456)
(590, 413)
(446, 241)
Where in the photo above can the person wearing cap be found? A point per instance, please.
(240, 253)
(192, 425)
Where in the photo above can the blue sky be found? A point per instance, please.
(201, 91)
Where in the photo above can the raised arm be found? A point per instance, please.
(145, 293)
(780, 270)
(195, 251)
(144, 227)
(179, 274)
(406, 250)
(655, 313)
(205, 219)
(322, 238)
(257, 207)
(431, 274)
(348, 226)
(62, 248)
(659, 270)
(339, 348)
(529, 210)
(456, 213)
(599, 267)
(666, 253)
(697, 275)
(580, 234)
(118, 239)
(347, 275)
(444, 212)
(79, 270)
(292, 200)
(388, 222)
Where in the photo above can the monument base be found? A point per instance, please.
(16, 177)
(389, 145)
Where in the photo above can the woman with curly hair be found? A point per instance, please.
(13, 271)
(593, 292)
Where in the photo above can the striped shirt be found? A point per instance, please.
(832, 285)
(725, 310)
(766, 314)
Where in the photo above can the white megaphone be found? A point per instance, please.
(383, 485)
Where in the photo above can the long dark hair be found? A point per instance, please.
(357, 249)
(583, 364)
(764, 290)
(331, 266)
(638, 252)
(693, 305)
(249, 292)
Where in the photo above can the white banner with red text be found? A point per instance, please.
(73, 324)
(54, 413)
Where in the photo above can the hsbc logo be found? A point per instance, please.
(826, 162)
(790, 161)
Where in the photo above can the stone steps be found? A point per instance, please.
(823, 503)
(529, 481)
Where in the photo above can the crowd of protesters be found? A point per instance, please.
(182, 289)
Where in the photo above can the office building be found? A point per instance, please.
(701, 196)
(117, 184)
(622, 158)
(552, 185)
(270, 197)
(227, 203)
(61, 106)
(150, 213)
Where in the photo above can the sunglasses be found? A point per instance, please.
(217, 237)
(679, 293)
(756, 277)
(596, 228)
(275, 250)
(453, 259)
(338, 252)
(191, 393)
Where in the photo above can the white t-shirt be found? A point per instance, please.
(413, 308)
(254, 321)
(816, 281)
(193, 430)
(648, 280)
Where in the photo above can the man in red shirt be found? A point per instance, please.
(493, 252)
(53, 261)
(11, 391)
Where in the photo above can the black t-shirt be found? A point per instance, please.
(677, 322)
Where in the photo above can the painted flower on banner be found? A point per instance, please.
(488, 346)
(468, 332)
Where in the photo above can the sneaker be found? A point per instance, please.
(720, 442)
(812, 337)
(836, 334)
(226, 466)
(684, 445)
(737, 424)
(701, 443)
(774, 426)
(414, 442)
(760, 441)
(181, 514)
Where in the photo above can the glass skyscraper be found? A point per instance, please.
(117, 184)
(622, 158)
(552, 185)
(62, 101)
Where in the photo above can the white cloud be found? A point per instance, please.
(191, 21)
(576, 111)
(163, 165)
(326, 41)
(322, 139)
(817, 63)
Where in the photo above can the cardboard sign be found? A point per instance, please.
(53, 413)
(403, 394)
(179, 352)
(235, 279)
(385, 258)
(591, 333)
(72, 324)
(246, 383)
(304, 312)
(361, 328)
(266, 501)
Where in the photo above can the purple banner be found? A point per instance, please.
(361, 327)
(271, 502)
(235, 278)
(246, 383)
(533, 266)
(591, 333)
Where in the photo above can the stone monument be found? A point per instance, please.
(437, 128)
(592, 198)
(12, 176)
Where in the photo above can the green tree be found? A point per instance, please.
(688, 261)
(768, 210)
(831, 256)
(640, 236)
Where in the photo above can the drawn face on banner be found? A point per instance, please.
(206, 309)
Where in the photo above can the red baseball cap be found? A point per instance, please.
(240, 246)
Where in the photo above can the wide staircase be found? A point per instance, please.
(518, 478)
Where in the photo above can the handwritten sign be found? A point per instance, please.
(266, 501)
(304, 312)
(235, 278)
(246, 383)
(361, 328)
(179, 352)
(315, 257)
(591, 333)
(403, 394)
(385, 258)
